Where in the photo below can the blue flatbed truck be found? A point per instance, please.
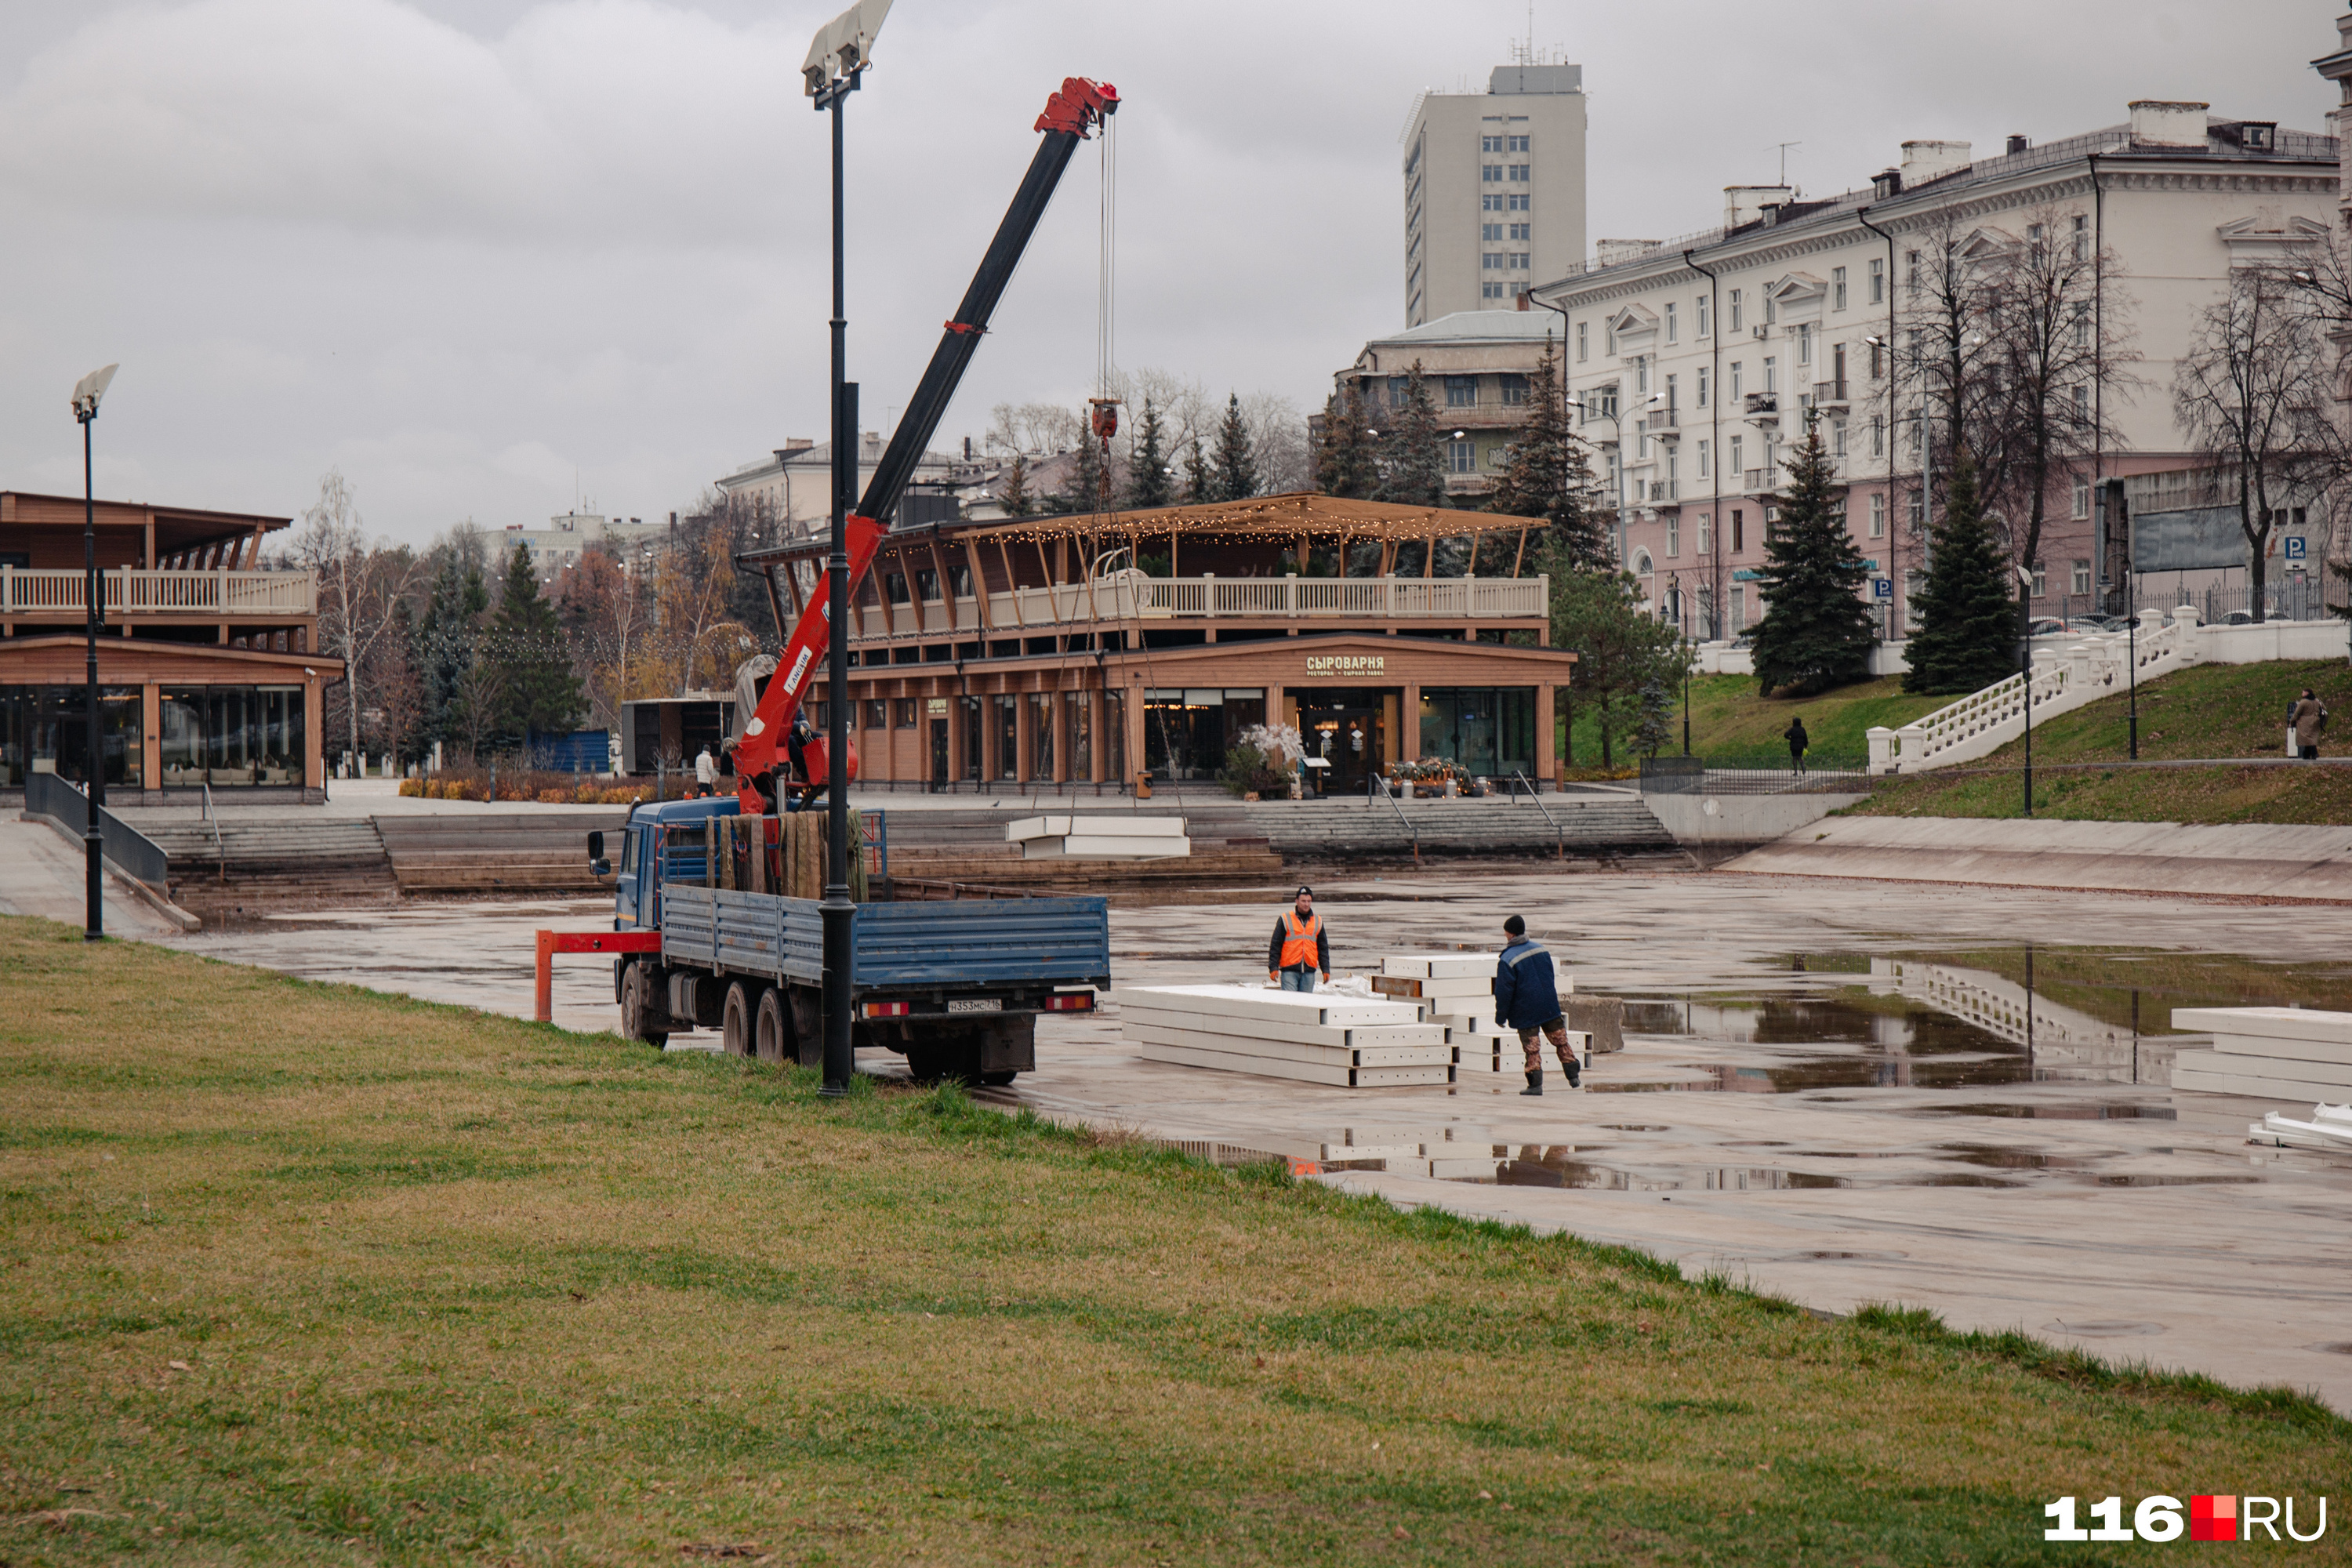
(956, 987)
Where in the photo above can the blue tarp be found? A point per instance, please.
(581, 752)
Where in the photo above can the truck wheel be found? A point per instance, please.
(772, 1029)
(999, 1080)
(808, 1024)
(636, 1009)
(735, 1023)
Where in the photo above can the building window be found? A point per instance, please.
(1837, 438)
(1490, 231)
(216, 734)
(1805, 343)
(1518, 173)
(1879, 514)
(1494, 291)
(1671, 404)
(1642, 374)
(1400, 391)
(1733, 451)
(1703, 468)
(2040, 580)
(1523, 231)
(2081, 238)
(1702, 386)
(1498, 457)
(1771, 372)
(1461, 392)
(1738, 378)
(1915, 511)
(1878, 435)
(1609, 400)
(1837, 288)
(2034, 242)
(1705, 520)
(1583, 344)
(906, 712)
(1771, 308)
(1738, 524)
(1490, 144)
(1519, 201)
(1492, 261)
(2082, 577)
(1701, 316)
(1674, 537)
(1515, 389)
(2082, 324)
(1516, 144)
(1608, 345)
(2081, 497)
(1673, 324)
(1877, 348)
(1461, 457)
(2083, 403)
(1735, 309)
(1911, 270)
(1519, 262)
(1490, 203)
(1491, 174)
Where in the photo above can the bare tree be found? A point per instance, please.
(361, 588)
(2254, 396)
(1033, 427)
(2059, 333)
(1278, 447)
(1950, 291)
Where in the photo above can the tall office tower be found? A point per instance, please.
(1494, 190)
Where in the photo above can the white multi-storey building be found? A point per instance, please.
(1494, 190)
(1696, 361)
(561, 542)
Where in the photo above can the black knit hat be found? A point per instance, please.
(1515, 926)
(1303, 893)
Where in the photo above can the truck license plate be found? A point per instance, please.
(976, 1004)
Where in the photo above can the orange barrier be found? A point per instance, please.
(551, 942)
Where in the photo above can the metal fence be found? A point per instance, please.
(132, 852)
(1746, 775)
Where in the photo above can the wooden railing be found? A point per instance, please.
(1131, 596)
(131, 592)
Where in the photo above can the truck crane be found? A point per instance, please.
(1071, 115)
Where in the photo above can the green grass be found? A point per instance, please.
(292, 1273)
(1730, 723)
(2206, 711)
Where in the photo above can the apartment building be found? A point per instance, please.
(794, 484)
(1494, 189)
(1695, 362)
(561, 542)
(1474, 365)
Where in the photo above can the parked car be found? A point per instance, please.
(2045, 626)
(2238, 618)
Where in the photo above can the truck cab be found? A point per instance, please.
(644, 856)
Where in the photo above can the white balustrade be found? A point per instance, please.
(133, 591)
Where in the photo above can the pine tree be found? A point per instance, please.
(1412, 463)
(445, 645)
(1621, 648)
(539, 692)
(1549, 474)
(1964, 625)
(1089, 490)
(1197, 485)
(1014, 498)
(1817, 630)
(1147, 469)
(1345, 463)
(1235, 478)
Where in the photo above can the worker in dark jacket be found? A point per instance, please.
(1301, 946)
(1526, 998)
(1799, 742)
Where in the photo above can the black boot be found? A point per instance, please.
(1574, 1077)
(1535, 1082)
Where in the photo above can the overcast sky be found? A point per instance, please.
(476, 252)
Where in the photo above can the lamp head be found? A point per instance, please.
(843, 47)
(89, 390)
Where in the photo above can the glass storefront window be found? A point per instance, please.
(1186, 731)
(45, 729)
(1008, 737)
(1114, 735)
(1081, 751)
(1488, 731)
(232, 735)
(1041, 734)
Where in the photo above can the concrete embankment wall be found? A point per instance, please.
(1710, 826)
(2251, 861)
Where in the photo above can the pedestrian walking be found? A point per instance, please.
(1526, 998)
(1301, 947)
(1798, 742)
(706, 769)
(2309, 717)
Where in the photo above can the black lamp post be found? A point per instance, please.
(835, 69)
(86, 394)
(2025, 659)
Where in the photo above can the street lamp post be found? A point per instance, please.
(835, 66)
(2025, 658)
(86, 394)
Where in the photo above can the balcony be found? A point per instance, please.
(1660, 420)
(1662, 490)
(1332, 602)
(1830, 395)
(132, 594)
(1764, 407)
(1758, 481)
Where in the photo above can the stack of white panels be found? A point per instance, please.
(1454, 1152)
(1099, 838)
(1457, 990)
(1344, 1041)
(2267, 1053)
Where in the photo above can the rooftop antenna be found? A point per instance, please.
(1784, 147)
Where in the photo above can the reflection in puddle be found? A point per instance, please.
(2053, 1112)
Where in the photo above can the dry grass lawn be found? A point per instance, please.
(293, 1273)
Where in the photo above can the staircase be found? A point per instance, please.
(967, 845)
(241, 868)
(529, 854)
(1596, 823)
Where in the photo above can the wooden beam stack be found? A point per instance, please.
(1346, 1042)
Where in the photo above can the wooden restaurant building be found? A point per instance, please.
(1081, 650)
(208, 673)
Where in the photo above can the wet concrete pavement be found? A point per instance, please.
(1897, 1120)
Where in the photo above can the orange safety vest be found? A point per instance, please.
(1298, 947)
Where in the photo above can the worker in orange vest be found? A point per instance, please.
(1300, 947)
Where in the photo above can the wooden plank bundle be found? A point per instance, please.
(1343, 1041)
(2268, 1053)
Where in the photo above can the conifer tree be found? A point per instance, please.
(1148, 484)
(1197, 481)
(445, 643)
(1964, 624)
(1549, 474)
(1089, 488)
(1014, 498)
(1621, 649)
(1236, 475)
(1817, 630)
(1412, 463)
(1345, 464)
(539, 694)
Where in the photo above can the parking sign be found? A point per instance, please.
(2296, 547)
(1882, 587)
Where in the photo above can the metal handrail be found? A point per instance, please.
(1411, 831)
(213, 821)
(1556, 826)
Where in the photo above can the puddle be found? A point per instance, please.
(2055, 1113)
